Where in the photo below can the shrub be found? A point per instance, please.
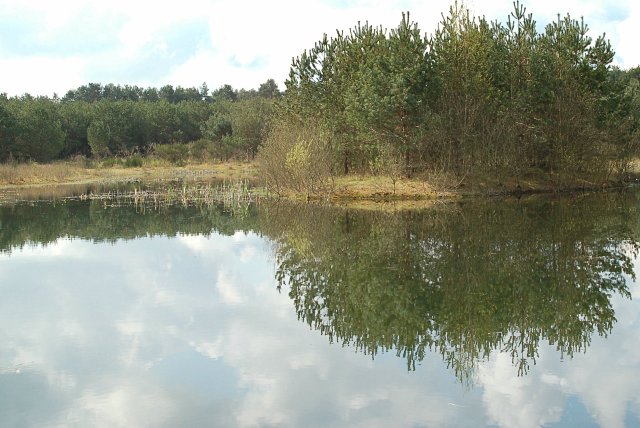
(297, 156)
(134, 161)
(201, 150)
(177, 154)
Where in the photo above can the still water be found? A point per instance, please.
(483, 313)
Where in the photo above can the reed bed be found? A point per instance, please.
(228, 193)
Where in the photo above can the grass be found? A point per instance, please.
(358, 187)
(30, 174)
(366, 191)
(68, 172)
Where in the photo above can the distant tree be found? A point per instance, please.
(225, 92)
(122, 124)
(204, 92)
(150, 94)
(269, 89)
(167, 93)
(248, 121)
(192, 115)
(99, 138)
(75, 118)
(8, 128)
(39, 134)
(163, 122)
(245, 94)
(217, 127)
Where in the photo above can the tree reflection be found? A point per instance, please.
(461, 280)
(106, 220)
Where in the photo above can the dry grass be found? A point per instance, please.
(60, 172)
(366, 190)
(381, 188)
(75, 172)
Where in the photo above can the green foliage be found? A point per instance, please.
(201, 150)
(38, 130)
(225, 93)
(269, 89)
(475, 95)
(297, 156)
(367, 86)
(99, 137)
(248, 121)
(121, 120)
(75, 119)
(163, 123)
(177, 154)
(134, 161)
(8, 130)
(217, 126)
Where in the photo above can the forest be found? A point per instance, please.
(113, 120)
(496, 98)
(475, 96)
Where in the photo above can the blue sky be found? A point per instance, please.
(48, 47)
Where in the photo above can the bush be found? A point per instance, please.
(201, 150)
(297, 156)
(134, 161)
(177, 154)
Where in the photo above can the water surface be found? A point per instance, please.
(496, 313)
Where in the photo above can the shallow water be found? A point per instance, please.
(488, 313)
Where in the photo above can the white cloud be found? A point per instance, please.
(250, 41)
(518, 402)
(627, 34)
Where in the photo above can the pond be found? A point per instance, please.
(510, 313)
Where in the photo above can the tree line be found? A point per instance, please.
(104, 120)
(502, 98)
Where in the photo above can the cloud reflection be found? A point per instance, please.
(191, 331)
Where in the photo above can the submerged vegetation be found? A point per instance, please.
(499, 99)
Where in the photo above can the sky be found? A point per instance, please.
(50, 47)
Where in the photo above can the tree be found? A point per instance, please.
(225, 93)
(8, 128)
(269, 89)
(39, 134)
(99, 138)
(75, 118)
(248, 121)
(475, 96)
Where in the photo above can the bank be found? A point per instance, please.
(358, 190)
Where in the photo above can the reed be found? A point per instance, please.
(230, 193)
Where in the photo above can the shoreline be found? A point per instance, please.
(36, 181)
